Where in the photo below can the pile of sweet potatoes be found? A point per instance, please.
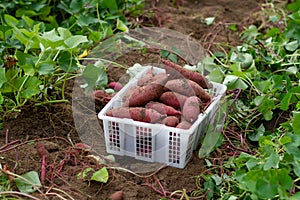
(175, 98)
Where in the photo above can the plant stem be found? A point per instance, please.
(52, 101)
(19, 194)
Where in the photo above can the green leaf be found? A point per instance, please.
(292, 46)
(296, 196)
(209, 20)
(76, 5)
(266, 188)
(164, 53)
(52, 36)
(75, 40)
(209, 143)
(272, 161)
(285, 140)
(67, 62)
(285, 102)
(259, 132)
(10, 20)
(1, 99)
(32, 87)
(95, 77)
(296, 122)
(217, 179)
(234, 82)
(84, 173)
(64, 33)
(30, 184)
(121, 26)
(292, 70)
(296, 168)
(45, 68)
(110, 4)
(2, 77)
(100, 175)
(173, 57)
(216, 75)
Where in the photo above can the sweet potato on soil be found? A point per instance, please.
(101, 96)
(176, 71)
(184, 125)
(136, 113)
(173, 99)
(116, 86)
(170, 121)
(192, 108)
(163, 108)
(140, 96)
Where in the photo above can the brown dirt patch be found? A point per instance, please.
(53, 125)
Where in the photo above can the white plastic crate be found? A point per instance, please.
(155, 142)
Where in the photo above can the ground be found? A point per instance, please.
(51, 130)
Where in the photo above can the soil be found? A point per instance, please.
(51, 130)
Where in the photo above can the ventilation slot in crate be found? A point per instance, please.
(144, 142)
(174, 147)
(114, 136)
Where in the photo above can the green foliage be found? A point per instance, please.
(266, 69)
(41, 41)
(100, 175)
(28, 182)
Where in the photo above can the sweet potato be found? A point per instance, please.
(146, 79)
(136, 113)
(170, 121)
(188, 88)
(173, 99)
(160, 78)
(184, 125)
(129, 92)
(140, 96)
(163, 108)
(116, 86)
(176, 71)
(192, 108)
(199, 91)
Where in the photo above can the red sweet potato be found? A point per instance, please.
(170, 121)
(140, 96)
(176, 71)
(173, 99)
(184, 125)
(136, 113)
(145, 80)
(160, 78)
(200, 92)
(163, 108)
(192, 108)
(116, 86)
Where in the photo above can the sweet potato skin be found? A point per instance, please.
(140, 96)
(163, 108)
(191, 109)
(184, 125)
(180, 86)
(136, 113)
(116, 86)
(171, 121)
(173, 99)
(176, 71)
(146, 79)
(160, 78)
